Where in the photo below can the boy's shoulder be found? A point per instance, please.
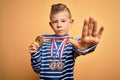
(45, 45)
(46, 42)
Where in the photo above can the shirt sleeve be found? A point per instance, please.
(36, 61)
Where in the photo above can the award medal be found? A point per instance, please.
(60, 65)
(60, 52)
(52, 65)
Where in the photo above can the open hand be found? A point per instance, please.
(91, 34)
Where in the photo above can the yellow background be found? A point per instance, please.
(22, 20)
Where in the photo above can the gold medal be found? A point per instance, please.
(52, 65)
(60, 65)
(39, 40)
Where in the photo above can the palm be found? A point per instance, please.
(90, 34)
(90, 40)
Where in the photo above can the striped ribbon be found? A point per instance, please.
(46, 36)
(57, 50)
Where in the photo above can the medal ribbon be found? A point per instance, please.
(59, 50)
(54, 37)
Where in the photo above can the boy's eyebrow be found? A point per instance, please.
(60, 19)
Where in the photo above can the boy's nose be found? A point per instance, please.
(59, 25)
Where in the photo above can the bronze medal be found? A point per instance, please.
(52, 65)
(60, 65)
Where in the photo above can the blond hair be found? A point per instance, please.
(56, 8)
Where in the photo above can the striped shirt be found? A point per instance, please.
(41, 59)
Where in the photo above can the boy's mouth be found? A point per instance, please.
(60, 30)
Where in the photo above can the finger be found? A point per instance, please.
(35, 44)
(94, 32)
(33, 48)
(90, 26)
(32, 51)
(100, 32)
(85, 29)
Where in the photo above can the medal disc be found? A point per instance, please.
(39, 40)
(60, 65)
(52, 65)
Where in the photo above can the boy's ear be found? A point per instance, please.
(50, 24)
(71, 21)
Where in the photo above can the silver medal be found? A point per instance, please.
(52, 65)
(60, 65)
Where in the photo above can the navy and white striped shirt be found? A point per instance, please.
(41, 59)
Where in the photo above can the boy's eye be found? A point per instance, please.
(63, 21)
(54, 21)
(57, 21)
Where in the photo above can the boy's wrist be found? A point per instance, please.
(79, 45)
(83, 45)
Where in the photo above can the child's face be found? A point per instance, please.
(61, 23)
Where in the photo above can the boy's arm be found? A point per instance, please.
(36, 61)
(90, 36)
(34, 50)
(78, 52)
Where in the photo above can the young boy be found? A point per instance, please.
(55, 58)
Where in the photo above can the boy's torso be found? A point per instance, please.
(46, 59)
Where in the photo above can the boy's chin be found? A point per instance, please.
(60, 34)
